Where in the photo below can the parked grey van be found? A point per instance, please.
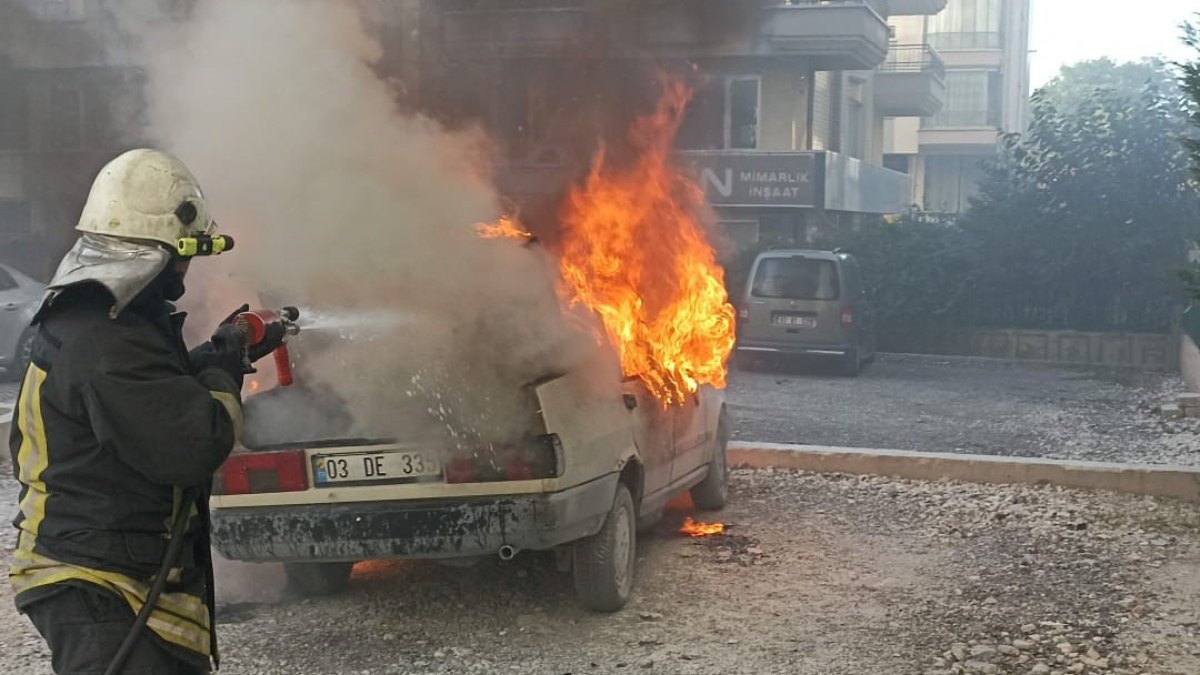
(805, 303)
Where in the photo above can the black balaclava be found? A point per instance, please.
(167, 287)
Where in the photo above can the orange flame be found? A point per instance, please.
(634, 251)
(693, 529)
(504, 228)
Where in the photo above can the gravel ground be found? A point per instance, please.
(938, 404)
(826, 575)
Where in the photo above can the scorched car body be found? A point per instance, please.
(605, 460)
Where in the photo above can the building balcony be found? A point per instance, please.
(959, 41)
(916, 7)
(911, 82)
(964, 140)
(834, 34)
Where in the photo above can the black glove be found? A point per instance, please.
(223, 351)
(272, 338)
(232, 315)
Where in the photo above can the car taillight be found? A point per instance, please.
(257, 472)
(847, 317)
(540, 457)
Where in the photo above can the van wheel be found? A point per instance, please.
(711, 493)
(324, 578)
(852, 362)
(604, 563)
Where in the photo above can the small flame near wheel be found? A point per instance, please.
(693, 529)
(504, 228)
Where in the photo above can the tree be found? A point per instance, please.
(1189, 82)
(1085, 218)
(1075, 84)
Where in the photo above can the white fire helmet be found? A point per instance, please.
(143, 205)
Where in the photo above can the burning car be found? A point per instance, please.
(605, 458)
(592, 456)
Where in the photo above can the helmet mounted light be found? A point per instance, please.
(203, 244)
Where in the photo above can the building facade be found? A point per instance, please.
(786, 126)
(794, 126)
(985, 47)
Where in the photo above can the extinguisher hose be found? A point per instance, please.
(160, 581)
(283, 366)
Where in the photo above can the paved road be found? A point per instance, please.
(967, 405)
(956, 405)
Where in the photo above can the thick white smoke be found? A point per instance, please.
(343, 204)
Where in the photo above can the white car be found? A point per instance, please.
(19, 300)
(604, 459)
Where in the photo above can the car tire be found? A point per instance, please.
(745, 363)
(711, 493)
(604, 563)
(852, 362)
(323, 578)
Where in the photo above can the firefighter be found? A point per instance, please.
(118, 430)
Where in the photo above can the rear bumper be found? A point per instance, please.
(412, 529)
(763, 347)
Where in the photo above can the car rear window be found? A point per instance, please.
(796, 279)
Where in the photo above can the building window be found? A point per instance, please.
(973, 100)
(967, 24)
(896, 163)
(14, 216)
(14, 115)
(723, 115)
(742, 117)
(951, 181)
(856, 129)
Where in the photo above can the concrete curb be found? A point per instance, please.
(1176, 482)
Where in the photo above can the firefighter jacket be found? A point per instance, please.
(112, 428)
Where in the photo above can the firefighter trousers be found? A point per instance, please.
(84, 628)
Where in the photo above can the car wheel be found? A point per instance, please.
(745, 363)
(711, 493)
(852, 362)
(604, 563)
(324, 578)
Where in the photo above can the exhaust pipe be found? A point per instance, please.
(507, 552)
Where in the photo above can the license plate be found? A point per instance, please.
(797, 321)
(366, 467)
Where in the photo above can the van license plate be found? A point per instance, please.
(367, 467)
(793, 321)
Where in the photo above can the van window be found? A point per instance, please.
(796, 279)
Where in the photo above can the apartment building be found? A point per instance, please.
(788, 128)
(68, 104)
(984, 45)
